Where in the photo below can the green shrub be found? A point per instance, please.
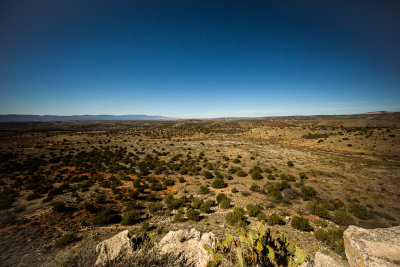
(90, 207)
(262, 217)
(318, 209)
(225, 203)
(66, 240)
(290, 163)
(256, 173)
(236, 217)
(303, 175)
(197, 203)
(218, 183)
(220, 197)
(193, 215)
(308, 193)
(254, 187)
(275, 219)
(204, 190)
(236, 161)
(144, 226)
(301, 223)
(234, 190)
(155, 207)
(105, 217)
(131, 217)
(338, 204)
(273, 191)
(333, 238)
(208, 175)
(179, 216)
(341, 217)
(359, 211)
(241, 173)
(206, 206)
(253, 210)
(59, 206)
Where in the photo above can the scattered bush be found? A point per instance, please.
(341, 217)
(318, 209)
(204, 190)
(179, 216)
(155, 207)
(66, 240)
(59, 206)
(225, 203)
(131, 217)
(208, 175)
(290, 163)
(359, 211)
(333, 238)
(241, 173)
(254, 187)
(234, 190)
(90, 207)
(262, 217)
(301, 223)
(308, 193)
(275, 219)
(236, 217)
(253, 210)
(193, 215)
(220, 197)
(218, 183)
(105, 217)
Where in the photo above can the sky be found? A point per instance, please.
(199, 58)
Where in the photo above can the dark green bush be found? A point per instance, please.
(66, 240)
(208, 175)
(301, 223)
(241, 173)
(59, 206)
(131, 217)
(105, 217)
(179, 216)
(155, 207)
(275, 219)
(220, 197)
(204, 190)
(262, 217)
(236, 217)
(359, 211)
(225, 203)
(193, 215)
(341, 217)
(333, 238)
(253, 210)
(197, 203)
(218, 183)
(90, 207)
(318, 209)
(234, 190)
(206, 206)
(290, 163)
(254, 187)
(308, 193)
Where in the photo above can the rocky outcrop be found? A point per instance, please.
(376, 247)
(117, 246)
(323, 260)
(188, 246)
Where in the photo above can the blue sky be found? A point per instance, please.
(199, 58)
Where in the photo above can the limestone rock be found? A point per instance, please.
(188, 246)
(323, 260)
(375, 247)
(117, 246)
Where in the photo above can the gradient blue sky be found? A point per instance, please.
(199, 58)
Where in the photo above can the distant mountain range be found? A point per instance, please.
(27, 118)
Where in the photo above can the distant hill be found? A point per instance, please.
(32, 118)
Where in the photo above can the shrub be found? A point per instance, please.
(33, 196)
(359, 211)
(290, 163)
(301, 223)
(338, 204)
(66, 240)
(275, 219)
(318, 209)
(253, 210)
(204, 190)
(241, 173)
(144, 226)
(308, 193)
(179, 216)
(220, 197)
(333, 238)
(261, 216)
(341, 217)
(225, 203)
(254, 187)
(234, 190)
(236, 217)
(90, 207)
(193, 215)
(273, 191)
(303, 175)
(155, 207)
(197, 203)
(208, 175)
(236, 161)
(131, 217)
(106, 216)
(206, 206)
(218, 183)
(283, 185)
(59, 206)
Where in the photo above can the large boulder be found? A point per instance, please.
(117, 246)
(324, 260)
(375, 247)
(188, 246)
